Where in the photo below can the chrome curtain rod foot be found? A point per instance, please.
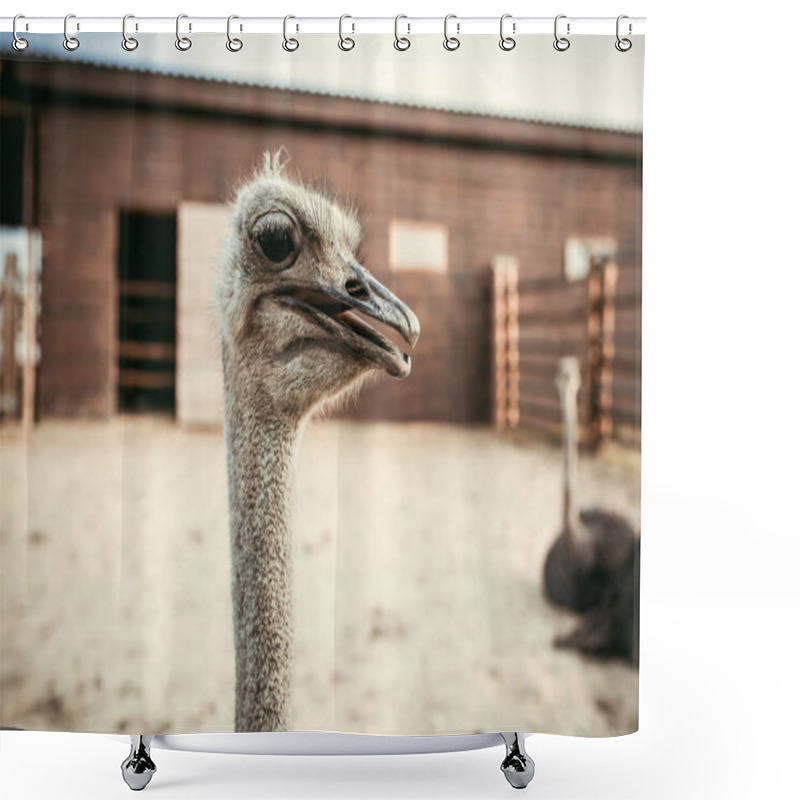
(138, 768)
(517, 766)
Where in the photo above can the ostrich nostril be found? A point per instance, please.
(355, 288)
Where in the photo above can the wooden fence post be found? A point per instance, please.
(505, 338)
(30, 319)
(602, 289)
(9, 372)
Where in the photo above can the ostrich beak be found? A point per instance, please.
(372, 298)
(340, 308)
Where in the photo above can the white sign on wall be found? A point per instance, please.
(418, 245)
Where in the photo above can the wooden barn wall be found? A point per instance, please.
(494, 198)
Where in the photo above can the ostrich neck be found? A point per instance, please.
(571, 511)
(261, 446)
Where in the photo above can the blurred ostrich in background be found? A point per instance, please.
(593, 564)
(611, 628)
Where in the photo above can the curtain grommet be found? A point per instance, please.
(561, 43)
(183, 43)
(346, 43)
(19, 44)
(129, 43)
(623, 44)
(451, 43)
(290, 44)
(401, 43)
(233, 44)
(71, 43)
(507, 43)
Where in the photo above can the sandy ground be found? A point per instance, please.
(419, 607)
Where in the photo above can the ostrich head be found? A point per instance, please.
(295, 302)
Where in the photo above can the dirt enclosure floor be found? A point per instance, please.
(418, 561)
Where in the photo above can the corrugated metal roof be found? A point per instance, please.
(590, 86)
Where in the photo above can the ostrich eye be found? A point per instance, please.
(275, 245)
(277, 239)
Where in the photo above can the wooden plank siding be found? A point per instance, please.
(562, 332)
(557, 319)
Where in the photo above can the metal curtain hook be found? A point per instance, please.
(561, 43)
(289, 44)
(19, 43)
(346, 42)
(401, 42)
(70, 42)
(182, 42)
(233, 44)
(129, 43)
(451, 42)
(623, 45)
(507, 42)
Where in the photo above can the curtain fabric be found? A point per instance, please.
(320, 386)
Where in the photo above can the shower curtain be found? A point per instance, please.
(320, 384)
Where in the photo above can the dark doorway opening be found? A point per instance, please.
(12, 153)
(147, 268)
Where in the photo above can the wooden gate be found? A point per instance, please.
(538, 321)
